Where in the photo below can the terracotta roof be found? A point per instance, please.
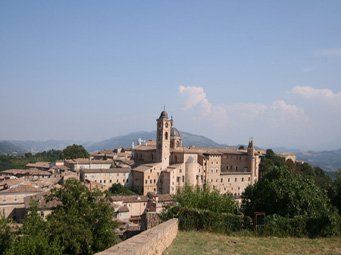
(42, 203)
(32, 171)
(130, 199)
(145, 167)
(38, 164)
(21, 188)
(123, 209)
(87, 161)
(165, 198)
(146, 147)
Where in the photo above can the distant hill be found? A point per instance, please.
(20, 147)
(7, 147)
(327, 160)
(120, 141)
(126, 140)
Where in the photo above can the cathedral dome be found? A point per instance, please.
(175, 132)
(164, 114)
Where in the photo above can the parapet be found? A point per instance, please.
(151, 242)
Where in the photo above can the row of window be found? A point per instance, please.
(150, 181)
(111, 181)
(228, 180)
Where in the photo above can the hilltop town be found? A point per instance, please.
(154, 169)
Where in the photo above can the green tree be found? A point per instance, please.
(5, 234)
(207, 199)
(118, 189)
(336, 197)
(269, 161)
(74, 151)
(83, 223)
(287, 194)
(33, 238)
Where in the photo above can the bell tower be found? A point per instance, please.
(163, 131)
(252, 160)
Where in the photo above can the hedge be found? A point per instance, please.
(197, 219)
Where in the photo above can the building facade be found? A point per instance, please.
(165, 166)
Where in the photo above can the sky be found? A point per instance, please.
(228, 70)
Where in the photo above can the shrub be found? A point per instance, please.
(300, 226)
(198, 219)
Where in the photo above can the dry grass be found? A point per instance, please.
(209, 243)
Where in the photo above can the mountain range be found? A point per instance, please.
(327, 160)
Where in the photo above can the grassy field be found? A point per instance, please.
(209, 243)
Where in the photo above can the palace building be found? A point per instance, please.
(165, 166)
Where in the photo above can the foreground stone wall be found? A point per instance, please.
(151, 242)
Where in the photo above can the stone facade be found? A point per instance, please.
(166, 166)
(108, 177)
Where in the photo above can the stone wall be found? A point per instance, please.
(151, 242)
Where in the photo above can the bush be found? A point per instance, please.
(300, 226)
(198, 219)
(208, 199)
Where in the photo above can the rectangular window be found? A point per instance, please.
(178, 179)
(235, 179)
(221, 179)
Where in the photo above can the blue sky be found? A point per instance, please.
(229, 70)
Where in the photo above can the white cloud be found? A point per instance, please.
(195, 96)
(240, 114)
(317, 94)
(196, 99)
(332, 52)
(284, 108)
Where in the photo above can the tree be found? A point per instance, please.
(336, 197)
(269, 161)
(74, 151)
(118, 189)
(207, 199)
(287, 194)
(83, 223)
(5, 234)
(33, 238)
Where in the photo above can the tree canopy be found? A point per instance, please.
(33, 238)
(284, 193)
(83, 223)
(74, 151)
(119, 189)
(207, 199)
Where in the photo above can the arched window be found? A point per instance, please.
(166, 135)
